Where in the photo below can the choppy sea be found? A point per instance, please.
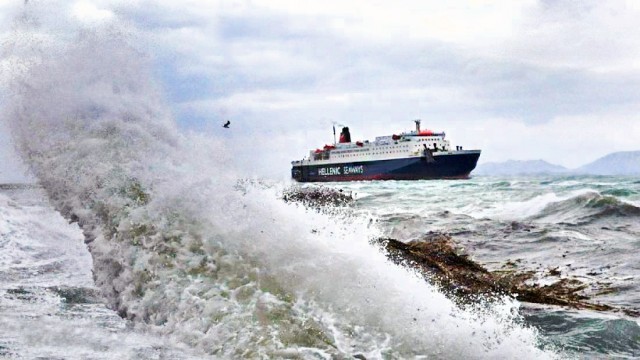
(586, 227)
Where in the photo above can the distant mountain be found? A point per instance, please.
(518, 167)
(619, 163)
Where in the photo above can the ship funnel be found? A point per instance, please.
(345, 135)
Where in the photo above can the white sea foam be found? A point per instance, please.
(179, 248)
(519, 210)
(22, 228)
(39, 253)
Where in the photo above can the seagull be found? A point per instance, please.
(226, 125)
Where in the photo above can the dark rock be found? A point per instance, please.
(463, 280)
(18, 186)
(518, 226)
(554, 272)
(76, 295)
(21, 294)
(317, 196)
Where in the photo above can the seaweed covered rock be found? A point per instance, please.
(314, 196)
(436, 257)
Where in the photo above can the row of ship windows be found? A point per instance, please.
(352, 151)
(374, 153)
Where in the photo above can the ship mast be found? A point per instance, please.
(417, 121)
(334, 133)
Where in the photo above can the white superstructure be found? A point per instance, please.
(405, 145)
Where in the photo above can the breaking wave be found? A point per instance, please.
(586, 207)
(578, 207)
(178, 249)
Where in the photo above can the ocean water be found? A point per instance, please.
(304, 307)
(142, 241)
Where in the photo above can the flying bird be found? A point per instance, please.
(226, 125)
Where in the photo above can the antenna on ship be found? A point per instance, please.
(417, 121)
(334, 133)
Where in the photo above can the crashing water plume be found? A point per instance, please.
(179, 250)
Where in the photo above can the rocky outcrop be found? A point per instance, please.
(315, 196)
(436, 257)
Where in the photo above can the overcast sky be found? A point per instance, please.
(552, 80)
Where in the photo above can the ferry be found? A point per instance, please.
(414, 155)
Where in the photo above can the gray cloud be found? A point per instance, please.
(282, 69)
(244, 53)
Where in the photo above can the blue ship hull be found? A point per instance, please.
(456, 165)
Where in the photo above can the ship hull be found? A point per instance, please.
(456, 165)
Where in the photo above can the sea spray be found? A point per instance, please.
(179, 250)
